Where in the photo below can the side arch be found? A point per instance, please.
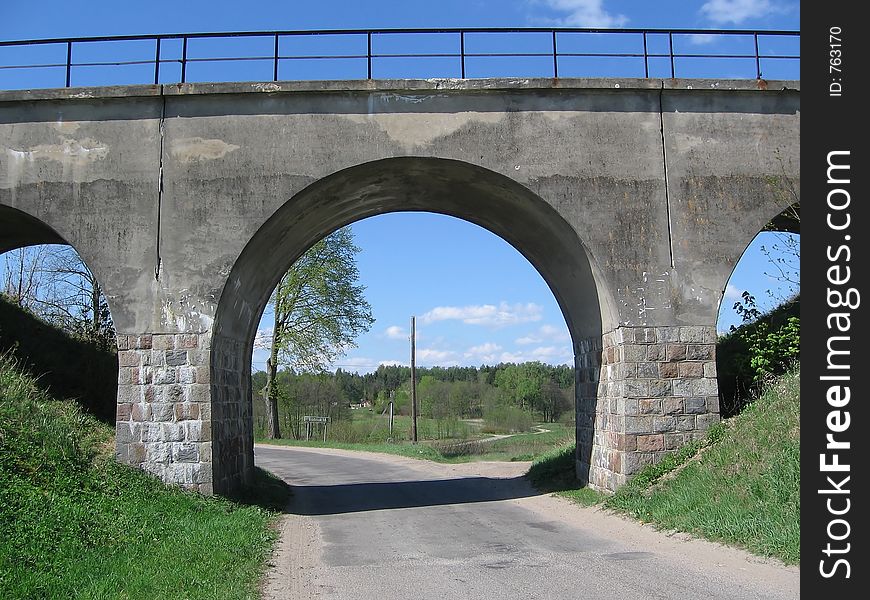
(449, 187)
(68, 367)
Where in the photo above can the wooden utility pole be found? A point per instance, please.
(413, 383)
(391, 415)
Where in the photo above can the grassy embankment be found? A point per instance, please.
(741, 485)
(75, 524)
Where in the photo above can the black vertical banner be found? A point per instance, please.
(835, 371)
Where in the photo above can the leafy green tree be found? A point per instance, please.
(319, 309)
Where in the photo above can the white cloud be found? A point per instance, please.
(263, 338)
(393, 363)
(439, 357)
(700, 39)
(394, 332)
(487, 353)
(721, 12)
(586, 13)
(553, 355)
(732, 293)
(488, 315)
(545, 333)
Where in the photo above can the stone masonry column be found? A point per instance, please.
(642, 392)
(164, 407)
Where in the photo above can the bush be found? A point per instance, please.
(766, 346)
(506, 419)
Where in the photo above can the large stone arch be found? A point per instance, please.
(449, 187)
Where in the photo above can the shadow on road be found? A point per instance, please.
(360, 497)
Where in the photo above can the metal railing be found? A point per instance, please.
(560, 46)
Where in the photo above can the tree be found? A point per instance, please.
(53, 282)
(319, 309)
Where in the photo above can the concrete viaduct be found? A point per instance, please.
(633, 198)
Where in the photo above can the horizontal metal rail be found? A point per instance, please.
(554, 36)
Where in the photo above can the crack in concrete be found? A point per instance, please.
(667, 182)
(160, 182)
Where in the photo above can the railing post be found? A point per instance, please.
(68, 62)
(757, 58)
(369, 54)
(275, 74)
(157, 63)
(555, 59)
(671, 52)
(183, 59)
(462, 53)
(645, 58)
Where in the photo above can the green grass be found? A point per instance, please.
(75, 524)
(520, 447)
(739, 486)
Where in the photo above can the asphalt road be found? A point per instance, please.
(365, 526)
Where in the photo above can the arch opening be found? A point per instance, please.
(56, 320)
(447, 187)
(762, 293)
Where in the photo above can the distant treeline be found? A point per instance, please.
(502, 394)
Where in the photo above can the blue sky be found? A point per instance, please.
(494, 307)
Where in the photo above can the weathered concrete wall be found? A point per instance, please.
(633, 198)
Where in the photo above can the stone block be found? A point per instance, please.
(686, 388)
(187, 375)
(123, 342)
(710, 369)
(713, 404)
(136, 453)
(187, 341)
(637, 424)
(668, 334)
(645, 335)
(185, 411)
(636, 388)
(705, 421)
(158, 452)
(693, 335)
(164, 376)
(650, 443)
(647, 370)
(164, 342)
(128, 358)
(668, 370)
(176, 358)
(700, 352)
(695, 406)
(128, 432)
(672, 406)
(139, 342)
(659, 388)
(634, 353)
(162, 411)
(185, 452)
(685, 423)
(197, 431)
(125, 376)
(174, 432)
(152, 432)
(656, 352)
(663, 424)
(635, 461)
(691, 369)
(141, 412)
(676, 352)
(675, 441)
(649, 406)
